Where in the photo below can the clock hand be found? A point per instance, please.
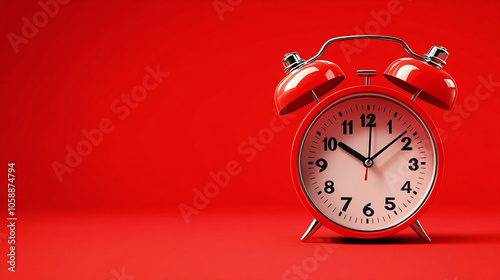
(369, 152)
(352, 152)
(387, 146)
(370, 143)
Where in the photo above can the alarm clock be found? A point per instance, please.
(367, 160)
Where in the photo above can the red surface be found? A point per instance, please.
(211, 121)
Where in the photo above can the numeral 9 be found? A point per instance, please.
(322, 164)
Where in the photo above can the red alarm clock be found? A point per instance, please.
(366, 160)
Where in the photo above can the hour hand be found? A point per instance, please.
(352, 152)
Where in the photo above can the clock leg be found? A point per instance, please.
(420, 231)
(315, 225)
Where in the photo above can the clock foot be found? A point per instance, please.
(420, 231)
(315, 225)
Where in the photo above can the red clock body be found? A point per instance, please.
(366, 163)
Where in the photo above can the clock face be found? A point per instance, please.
(367, 162)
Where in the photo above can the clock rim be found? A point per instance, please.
(318, 109)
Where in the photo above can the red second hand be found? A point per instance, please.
(366, 173)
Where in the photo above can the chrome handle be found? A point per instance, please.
(374, 37)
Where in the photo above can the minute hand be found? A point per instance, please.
(387, 146)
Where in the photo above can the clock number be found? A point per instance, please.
(390, 126)
(367, 210)
(347, 201)
(406, 187)
(371, 122)
(389, 205)
(406, 147)
(329, 187)
(330, 143)
(322, 164)
(414, 165)
(346, 125)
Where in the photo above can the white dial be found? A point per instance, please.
(367, 162)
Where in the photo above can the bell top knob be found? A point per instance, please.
(292, 61)
(437, 56)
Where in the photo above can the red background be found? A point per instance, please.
(116, 215)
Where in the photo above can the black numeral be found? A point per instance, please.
(389, 205)
(329, 187)
(390, 126)
(368, 211)
(371, 122)
(330, 143)
(406, 187)
(322, 164)
(406, 147)
(347, 126)
(347, 201)
(414, 163)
